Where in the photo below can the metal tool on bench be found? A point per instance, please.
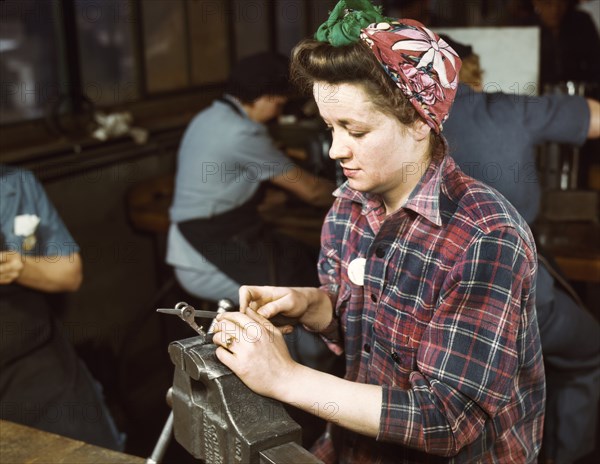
(217, 418)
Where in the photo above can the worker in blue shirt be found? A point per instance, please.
(43, 384)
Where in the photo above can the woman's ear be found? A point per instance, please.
(420, 130)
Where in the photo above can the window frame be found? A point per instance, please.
(25, 138)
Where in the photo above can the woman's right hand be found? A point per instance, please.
(311, 306)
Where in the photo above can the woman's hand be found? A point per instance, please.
(311, 306)
(11, 266)
(254, 349)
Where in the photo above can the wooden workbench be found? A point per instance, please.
(23, 445)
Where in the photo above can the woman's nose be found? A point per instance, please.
(339, 149)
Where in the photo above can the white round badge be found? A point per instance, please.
(356, 271)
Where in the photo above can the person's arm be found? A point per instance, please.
(54, 265)
(44, 273)
(314, 307)
(306, 186)
(468, 362)
(253, 147)
(479, 353)
(568, 119)
(258, 355)
(594, 129)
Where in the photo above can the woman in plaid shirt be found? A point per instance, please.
(428, 276)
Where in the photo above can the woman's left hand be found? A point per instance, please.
(254, 349)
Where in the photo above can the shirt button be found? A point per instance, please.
(367, 348)
(395, 357)
(380, 252)
(373, 298)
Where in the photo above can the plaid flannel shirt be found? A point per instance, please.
(445, 322)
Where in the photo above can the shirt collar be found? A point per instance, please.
(423, 200)
(236, 102)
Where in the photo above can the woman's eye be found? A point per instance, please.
(357, 135)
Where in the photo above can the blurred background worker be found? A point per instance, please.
(43, 383)
(570, 43)
(226, 159)
(501, 131)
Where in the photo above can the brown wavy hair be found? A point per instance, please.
(314, 61)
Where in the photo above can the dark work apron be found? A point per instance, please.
(25, 322)
(242, 246)
(43, 384)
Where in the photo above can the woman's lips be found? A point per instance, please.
(350, 172)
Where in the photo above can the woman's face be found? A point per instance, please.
(377, 153)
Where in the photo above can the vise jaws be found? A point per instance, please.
(218, 419)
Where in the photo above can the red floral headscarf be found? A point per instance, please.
(421, 64)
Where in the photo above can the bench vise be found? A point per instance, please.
(218, 419)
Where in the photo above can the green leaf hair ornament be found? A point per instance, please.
(346, 20)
